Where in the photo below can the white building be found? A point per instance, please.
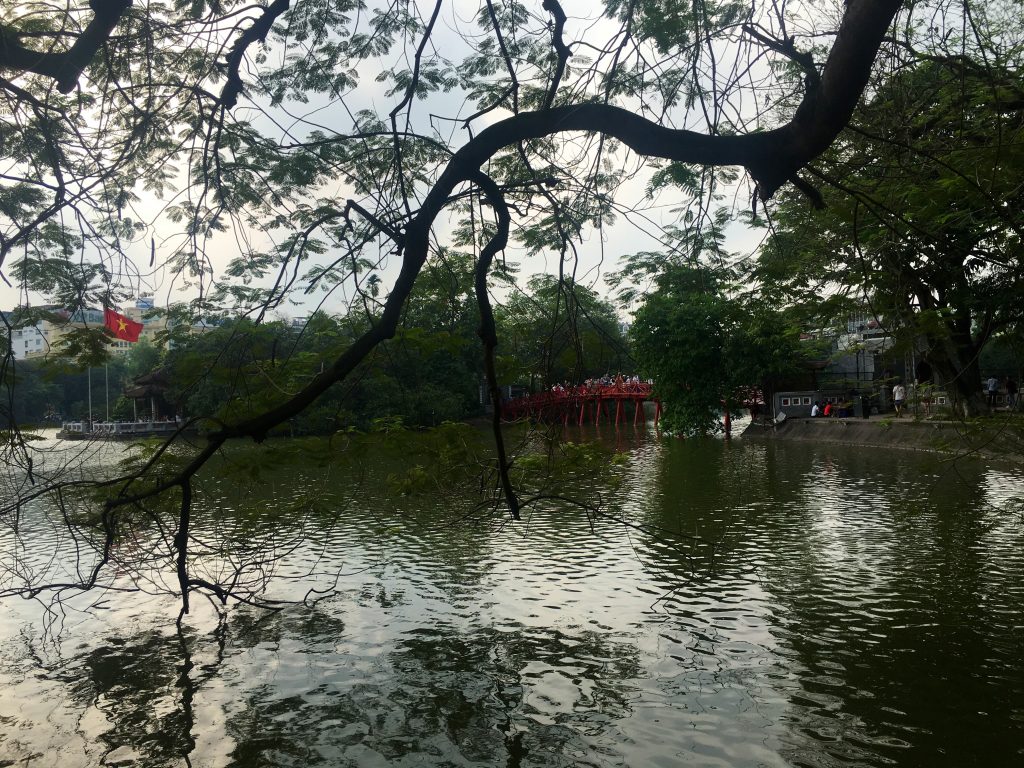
(28, 341)
(43, 338)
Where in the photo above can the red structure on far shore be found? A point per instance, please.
(582, 404)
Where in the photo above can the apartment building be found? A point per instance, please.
(44, 337)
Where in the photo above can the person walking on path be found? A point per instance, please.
(899, 394)
(1011, 393)
(992, 389)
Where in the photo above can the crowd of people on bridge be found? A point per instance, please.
(617, 383)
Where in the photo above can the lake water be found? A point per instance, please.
(752, 604)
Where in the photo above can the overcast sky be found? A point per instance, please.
(599, 251)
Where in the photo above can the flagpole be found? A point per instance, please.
(106, 387)
(90, 398)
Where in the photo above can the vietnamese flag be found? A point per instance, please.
(122, 327)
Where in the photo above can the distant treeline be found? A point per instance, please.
(430, 372)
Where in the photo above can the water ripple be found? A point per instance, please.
(767, 605)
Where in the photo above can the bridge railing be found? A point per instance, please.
(562, 399)
(632, 389)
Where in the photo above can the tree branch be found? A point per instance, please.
(514, 88)
(786, 48)
(414, 80)
(488, 331)
(829, 104)
(257, 33)
(772, 158)
(181, 543)
(68, 66)
(552, 7)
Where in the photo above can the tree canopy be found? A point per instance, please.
(331, 148)
(554, 331)
(708, 347)
(923, 223)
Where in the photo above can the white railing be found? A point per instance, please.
(114, 428)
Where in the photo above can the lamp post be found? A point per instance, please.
(90, 399)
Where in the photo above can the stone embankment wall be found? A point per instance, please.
(994, 438)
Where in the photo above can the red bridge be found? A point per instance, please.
(583, 403)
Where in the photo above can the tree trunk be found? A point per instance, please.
(957, 365)
(973, 404)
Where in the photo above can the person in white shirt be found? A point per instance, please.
(899, 394)
(815, 409)
(992, 389)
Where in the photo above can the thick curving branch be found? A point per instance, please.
(829, 104)
(489, 333)
(68, 66)
(772, 158)
(181, 544)
(256, 33)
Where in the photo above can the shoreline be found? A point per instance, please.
(992, 439)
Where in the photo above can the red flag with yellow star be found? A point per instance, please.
(123, 327)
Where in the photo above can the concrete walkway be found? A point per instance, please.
(995, 437)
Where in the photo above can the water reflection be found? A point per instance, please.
(117, 700)
(769, 605)
(440, 696)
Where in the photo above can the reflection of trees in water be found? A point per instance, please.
(316, 630)
(144, 688)
(894, 610)
(696, 534)
(881, 602)
(445, 696)
(863, 614)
